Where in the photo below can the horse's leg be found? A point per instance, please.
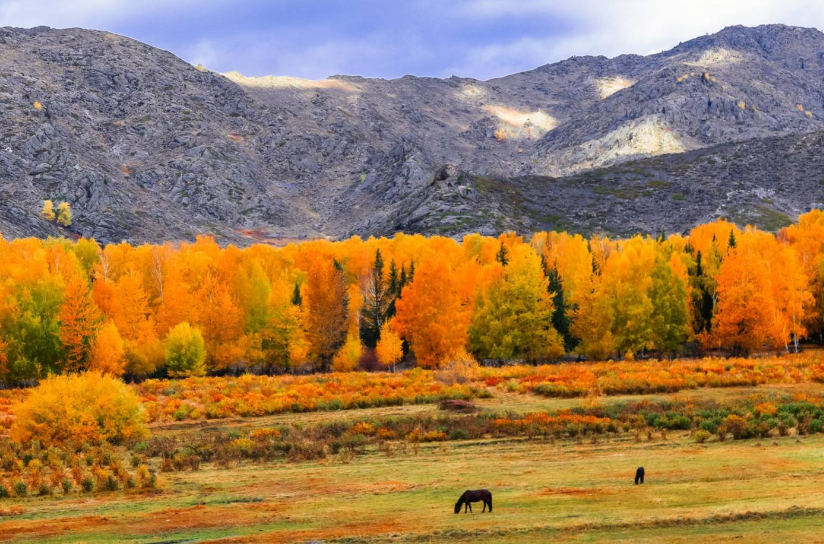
(484, 510)
(470, 507)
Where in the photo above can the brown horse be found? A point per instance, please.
(469, 497)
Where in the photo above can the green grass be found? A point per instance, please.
(574, 490)
(772, 220)
(618, 192)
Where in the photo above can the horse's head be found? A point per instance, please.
(458, 505)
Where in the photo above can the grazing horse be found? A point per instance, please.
(639, 476)
(469, 497)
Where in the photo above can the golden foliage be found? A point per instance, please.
(108, 354)
(79, 320)
(432, 314)
(84, 408)
(346, 360)
(302, 303)
(460, 369)
(185, 352)
(64, 214)
(390, 346)
(47, 212)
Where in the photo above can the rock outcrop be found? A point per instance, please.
(146, 147)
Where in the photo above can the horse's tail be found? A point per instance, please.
(490, 502)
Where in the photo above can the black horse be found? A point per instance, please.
(639, 476)
(469, 497)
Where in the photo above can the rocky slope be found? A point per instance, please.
(146, 147)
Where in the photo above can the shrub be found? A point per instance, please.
(145, 478)
(111, 483)
(736, 425)
(4, 491)
(21, 489)
(84, 408)
(87, 484)
(66, 485)
(460, 369)
(185, 352)
(702, 436)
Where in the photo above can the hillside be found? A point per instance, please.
(146, 147)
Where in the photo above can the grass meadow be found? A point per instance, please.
(545, 490)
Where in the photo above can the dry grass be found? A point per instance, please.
(760, 490)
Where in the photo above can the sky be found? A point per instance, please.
(390, 38)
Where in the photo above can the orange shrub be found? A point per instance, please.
(249, 395)
(88, 407)
(653, 376)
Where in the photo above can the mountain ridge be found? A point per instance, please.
(148, 148)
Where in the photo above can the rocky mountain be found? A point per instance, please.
(146, 147)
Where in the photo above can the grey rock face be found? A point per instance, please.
(147, 148)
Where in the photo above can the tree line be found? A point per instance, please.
(193, 308)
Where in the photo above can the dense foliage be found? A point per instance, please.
(215, 398)
(85, 408)
(644, 377)
(190, 308)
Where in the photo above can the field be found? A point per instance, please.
(571, 485)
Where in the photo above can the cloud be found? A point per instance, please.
(83, 13)
(595, 27)
(471, 38)
(203, 52)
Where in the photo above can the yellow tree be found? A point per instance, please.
(793, 301)
(185, 352)
(178, 304)
(64, 214)
(221, 322)
(670, 302)
(348, 357)
(592, 318)
(126, 304)
(807, 240)
(390, 346)
(513, 317)
(432, 315)
(79, 320)
(325, 310)
(107, 353)
(627, 282)
(283, 339)
(745, 302)
(47, 212)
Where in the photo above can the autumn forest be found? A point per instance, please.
(195, 308)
